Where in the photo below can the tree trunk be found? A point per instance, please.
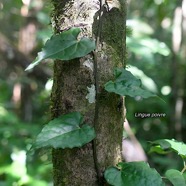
(178, 84)
(106, 24)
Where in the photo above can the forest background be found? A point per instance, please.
(156, 52)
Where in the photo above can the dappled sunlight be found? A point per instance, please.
(117, 158)
(48, 85)
(166, 90)
(16, 93)
(177, 30)
(152, 80)
(147, 82)
(158, 2)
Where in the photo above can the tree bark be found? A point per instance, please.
(106, 24)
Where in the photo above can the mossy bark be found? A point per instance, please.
(85, 166)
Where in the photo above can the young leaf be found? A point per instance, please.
(133, 173)
(65, 132)
(64, 46)
(166, 144)
(175, 177)
(126, 84)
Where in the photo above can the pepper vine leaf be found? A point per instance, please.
(175, 177)
(66, 131)
(64, 46)
(126, 84)
(166, 145)
(133, 173)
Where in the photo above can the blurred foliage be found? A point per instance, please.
(17, 165)
(150, 57)
(16, 141)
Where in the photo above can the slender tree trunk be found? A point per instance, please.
(26, 44)
(183, 69)
(178, 84)
(106, 24)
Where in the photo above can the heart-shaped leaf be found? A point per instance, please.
(175, 177)
(166, 144)
(65, 132)
(64, 46)
(126, 84)
(133, 173)
(113, 176)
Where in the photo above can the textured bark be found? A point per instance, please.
(85, 166)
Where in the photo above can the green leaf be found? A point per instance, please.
(113, 176)
(147, 46)
(166, 144)
(147, 82)
(126, 84)
(133, 173)
(158, 150)
(140, 28)
(64, 46)
(175, 177)
(184, 175)
(65, 132)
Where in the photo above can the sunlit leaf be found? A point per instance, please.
(140, 27)
(147, 82)
(155, 46)
(64, 46)
(65, 132)
(147, 46)
(126, 84)
(175, 177)
(141, 43)
(133, 173)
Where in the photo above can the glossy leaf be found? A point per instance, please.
(64, 46)
(175, 177)
(65, 132)
(126, 84)
(166, 144)
(133, 173)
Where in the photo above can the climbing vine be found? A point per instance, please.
(69, 130)
(64, 46)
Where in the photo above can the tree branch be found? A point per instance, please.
(14, 58)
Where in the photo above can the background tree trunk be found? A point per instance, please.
(105, 23)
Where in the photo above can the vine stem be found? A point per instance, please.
(184, 168)
(98, 171)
